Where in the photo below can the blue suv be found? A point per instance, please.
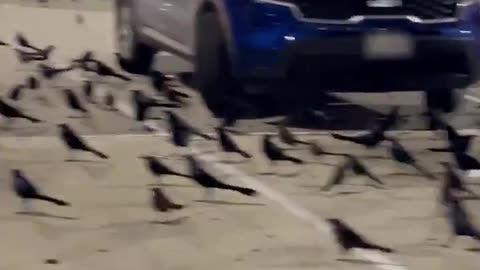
(351, 45)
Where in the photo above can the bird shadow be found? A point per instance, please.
(175, 221)
(172, 185)
(288, 175)
(266, 173)
(401, 174)
(232, 162)
(229, 203)
(344, 193)
(43, 214)
(473, 249)
(81, 161)
(355, 261)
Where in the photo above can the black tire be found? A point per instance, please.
(444, 100)
(213, 77)
(141, 55)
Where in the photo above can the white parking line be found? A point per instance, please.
(377, 259)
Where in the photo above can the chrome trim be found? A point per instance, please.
(154, 34)
(297, 13)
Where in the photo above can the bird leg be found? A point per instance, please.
(27, 206)
(8, 122)
(209, 195)
(450, 240)
(70, 155)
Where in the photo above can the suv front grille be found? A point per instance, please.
(344, 9)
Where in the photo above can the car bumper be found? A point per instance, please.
(444, 55)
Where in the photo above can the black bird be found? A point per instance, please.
(32, 83)
(460, 222)
(23, 42)
(228, 145)
(400, 154)
(110, 101)
(41, 55)
(454, 182)
(88, 91)
(180, 130)
(75, 142)
(457, 142)
(286, 136)
(369, 140)
(51, 72)
(82, 62)
(347, 238)
(274, 153)
(318, 151)
(208, 181)
(73, 102)
(390, 121)
(158, 80)
(2, 43)
(27, 191)
(103, 69)
(161, 203)
(175, 96)
(10, 112)
(157, 168)
(16, 92)
(28, 57)
(352, 163)
(466, 162)
(375, 136)
(142, 104)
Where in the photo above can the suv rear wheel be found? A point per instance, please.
(213, 76)
(444, 100)
(134, 56)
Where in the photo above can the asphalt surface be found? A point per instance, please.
(112, 226)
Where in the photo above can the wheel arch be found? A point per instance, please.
(218, 7)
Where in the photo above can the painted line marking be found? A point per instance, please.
(378, 260)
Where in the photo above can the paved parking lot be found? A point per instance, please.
(110, 224)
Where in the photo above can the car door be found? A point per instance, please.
(179, 20)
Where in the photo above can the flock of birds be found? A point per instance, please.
(450, 195)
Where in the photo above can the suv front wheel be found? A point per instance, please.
(213, 76)
(134, 56)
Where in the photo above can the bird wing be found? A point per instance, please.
(365, 171)
(74, 139)
(337, 177)
(23, 185)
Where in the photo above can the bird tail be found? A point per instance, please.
(175, 206)
(294, 160)
(52, 200)
(98, 153)
(377, 247)
(33, 119)
(122, 77)
(302, 142)
(205, 136)
(342, 137)
(244, 154)
(181, 175)
(424, 171)
(443, 150)
(181, 94)
(244, 191)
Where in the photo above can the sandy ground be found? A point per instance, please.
(110, 224)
